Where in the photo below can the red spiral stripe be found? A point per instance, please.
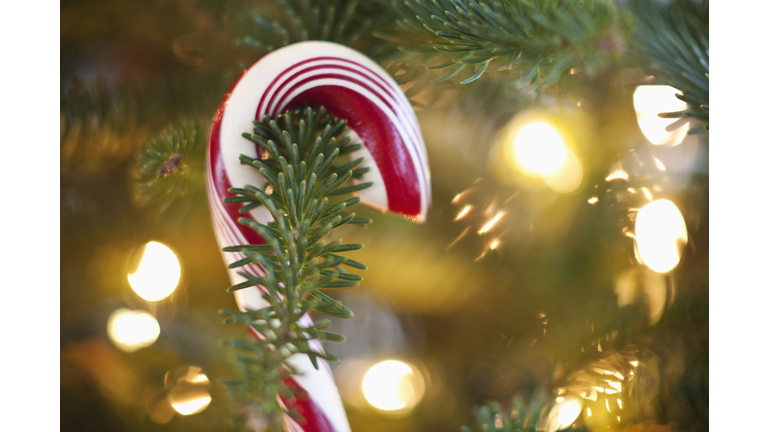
(349, 86)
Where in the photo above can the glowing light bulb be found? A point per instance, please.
(463, 212)
(568, 177)
(646, 286)
(190, 394)
(198, 379)
(618, 174)
(491, 223)
(191, 405)
(563, 414)
(131, 330)
(158, 272)
(392, 385)
(539, 148)
(660, 235)
(651, 100)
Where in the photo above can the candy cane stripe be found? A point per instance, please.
(349, 86)
(397, 104)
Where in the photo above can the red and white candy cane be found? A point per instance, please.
(350, 86)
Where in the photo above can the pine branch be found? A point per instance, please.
(107, 122)
(671, 41)
(98, 121)
(522, 417)
(301, 165)
(168, 163)
(347, 22)
(540, 41)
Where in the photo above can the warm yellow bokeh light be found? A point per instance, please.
(488, 225)
(130, 330)
(190, 394)
(660, 234)
(563, 414)
(463, 212)
(192, 405)
(198, 379)
(539, 148)
(618, 174)
(157, 274)
(644, 285)
(392, 385)
(649, 102)
(568, 177)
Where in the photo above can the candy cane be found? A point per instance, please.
(352, 87)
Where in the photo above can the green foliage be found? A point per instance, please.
(540, 41)
(523, 417)
(98, 121)
(671, 41)
(107, 122)
(302, 167)
(89, 105)
(169, 162)
(347, 22)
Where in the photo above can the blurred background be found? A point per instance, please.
(564, 258)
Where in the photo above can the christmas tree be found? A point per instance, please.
(559, 280)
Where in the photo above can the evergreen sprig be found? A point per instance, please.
(671, 41)
(168, 163)
(107, 122)
(300, 159)
(98, 122)
(522, 417)
(347, 22)
(539, 40)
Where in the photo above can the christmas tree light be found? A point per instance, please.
(158, 272)
(393, 385)
(649, 101)
(660, 234)
(539, 148)
(131, 330)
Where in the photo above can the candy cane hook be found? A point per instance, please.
(352, 87)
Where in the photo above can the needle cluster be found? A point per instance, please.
(307, 193)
